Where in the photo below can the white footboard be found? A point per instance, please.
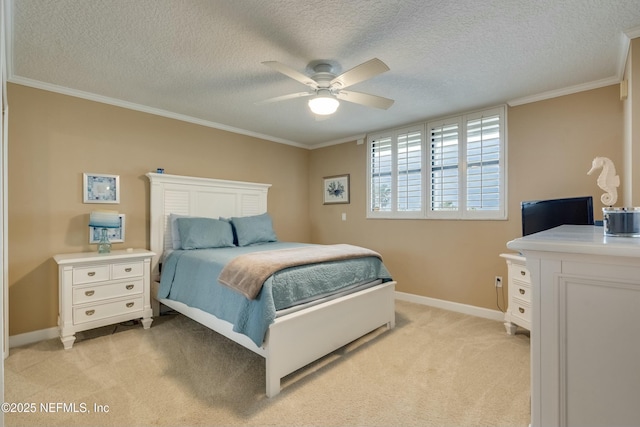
(298, 339)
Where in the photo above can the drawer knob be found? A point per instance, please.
(89, 312)
(129, 304)
(522, 273)
(128, 269)
(521, 291)
(91, 273)
(521, 310)
(89, 293)
(129, 287)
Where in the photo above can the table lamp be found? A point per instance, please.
(104, 220)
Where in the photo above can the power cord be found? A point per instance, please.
(498, 298)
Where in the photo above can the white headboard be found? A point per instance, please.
(206, 197)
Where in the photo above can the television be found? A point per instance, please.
(540, 215)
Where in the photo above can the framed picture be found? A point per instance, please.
(100, 188)
(336, 189)
(116, 235)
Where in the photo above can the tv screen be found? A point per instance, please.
(540, 215)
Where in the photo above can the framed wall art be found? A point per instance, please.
(116, 235)
(336, 189)
(101, 188)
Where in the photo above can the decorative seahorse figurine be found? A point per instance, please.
(607, 180)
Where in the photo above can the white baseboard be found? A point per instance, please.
(471, 310)
(46, 334)
(31, 337)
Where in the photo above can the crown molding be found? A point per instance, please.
(145, 109)
(564, 91)
(633, 33)
(339, 141)
(625, 41)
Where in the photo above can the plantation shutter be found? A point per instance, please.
(409, 171)
(483, 164)
(381, 163)
(444, 155)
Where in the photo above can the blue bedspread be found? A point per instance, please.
(191, 277)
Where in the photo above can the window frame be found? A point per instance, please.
(426, 212)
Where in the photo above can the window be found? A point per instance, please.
(457, 171)
(396, 173)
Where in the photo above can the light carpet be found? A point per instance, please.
(436, 368)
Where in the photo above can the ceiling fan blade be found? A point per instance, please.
(290, 72)
(361, 72)
(365, 99)
(285, 97)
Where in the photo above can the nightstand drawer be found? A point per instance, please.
(519, 272)
(131, 269)
(520, 290)
(521, 310)
(102, 311)
(112, 290)
(96, 273)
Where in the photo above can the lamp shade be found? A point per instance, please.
(324, 103)
(104, 219)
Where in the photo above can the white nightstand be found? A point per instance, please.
(102, 289)
(519, 308)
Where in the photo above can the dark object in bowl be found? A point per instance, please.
(622, 222)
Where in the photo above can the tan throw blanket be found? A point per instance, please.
(247, 273)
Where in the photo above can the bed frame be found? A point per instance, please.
(293, 340)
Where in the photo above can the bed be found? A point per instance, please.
(287, 345)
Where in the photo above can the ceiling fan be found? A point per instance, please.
(326, 88)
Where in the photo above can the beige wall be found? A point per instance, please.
(550, 148)
(633, 120)
(54, 138)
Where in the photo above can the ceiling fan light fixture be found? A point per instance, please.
(323, 104)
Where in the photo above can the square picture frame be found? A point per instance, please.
(336, 189)
(100, 188)
(116, 235)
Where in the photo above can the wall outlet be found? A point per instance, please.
(498, 281)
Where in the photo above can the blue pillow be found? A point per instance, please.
(233, 229)
(202, 233)
(254, 229)
(175, 233)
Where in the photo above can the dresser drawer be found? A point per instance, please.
(102, 311)
(123, 271)
(520, 310)
(87, 294)
(91, 274)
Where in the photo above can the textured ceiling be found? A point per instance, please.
(201, 60)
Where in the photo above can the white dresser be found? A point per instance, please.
(518, 311)
(101, 289)
(585, 327)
